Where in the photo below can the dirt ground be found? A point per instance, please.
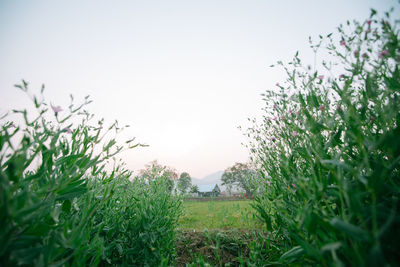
(217, 247)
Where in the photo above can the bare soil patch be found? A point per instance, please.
(217, 247)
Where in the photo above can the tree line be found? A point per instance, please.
(242, 177)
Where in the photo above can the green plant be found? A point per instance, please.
(199, 262)
(35, 199)
(139, 223)
(60, 207)
(329, 151)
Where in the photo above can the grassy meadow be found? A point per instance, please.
(218, 215)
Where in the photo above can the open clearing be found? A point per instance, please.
(218, 215)
(218, 231)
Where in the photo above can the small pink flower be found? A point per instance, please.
(322, 107)
(338, 107)
(341, 76)
(356, 53)
(56, 109)
(365, 55)
(383, 53)
(320, 77)
(282, 117)
(343, 43)
(268, 183)
(275, 118)
(277, 84)
(68, 130)
(294, 133)
(369, 22)
(294, 186)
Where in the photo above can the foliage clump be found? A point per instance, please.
(60, 207)
(329, 150)
(242, 176)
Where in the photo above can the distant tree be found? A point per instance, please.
(184, 182)
(241, 175)
(154, 170)
(194, 189)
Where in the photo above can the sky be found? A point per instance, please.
(183, 74)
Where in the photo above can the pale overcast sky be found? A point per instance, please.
(184, 74)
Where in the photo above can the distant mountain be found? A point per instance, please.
(213, 178)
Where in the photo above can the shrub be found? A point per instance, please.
(60, 207)
(138, 222)
(329, 150)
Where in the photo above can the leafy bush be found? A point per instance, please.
(138, 222)
(60, 207)
(329, 150)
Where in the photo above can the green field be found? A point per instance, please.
(218, 215)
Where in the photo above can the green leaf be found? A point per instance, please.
(292, 255)
(70, 158)
(349, 229)
(55, 213)
(71, 191)
(337, 163)
(66, 206)
(35, 102)
(373, 13)
(119, 248)
(331, 246)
